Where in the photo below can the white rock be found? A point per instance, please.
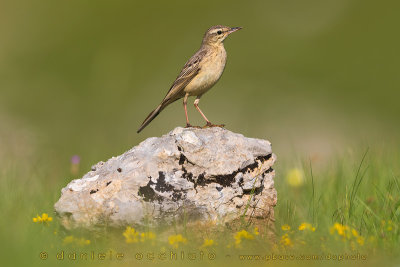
(199, 174)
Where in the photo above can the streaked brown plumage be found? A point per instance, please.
(199, 74)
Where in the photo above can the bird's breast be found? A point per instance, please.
(211, 70)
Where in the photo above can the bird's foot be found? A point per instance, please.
(191, 126)
(209, 124)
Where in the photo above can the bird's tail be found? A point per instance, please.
(151, 117)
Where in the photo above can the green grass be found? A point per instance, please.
(319, 79)
(359, 190)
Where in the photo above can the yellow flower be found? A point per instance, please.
(242, 235)
(256, 232)
(306, 226)
(285, 227)
(147, 236)
(82, 242)
(360, 240)
(354, 232)
(295, 177)
(44, 219)
(286, 241)
(347, 233)
(131, 236)
(342, 230)
(175, 240)
(207, 243)
(389, 226)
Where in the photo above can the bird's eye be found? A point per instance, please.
(219, 32)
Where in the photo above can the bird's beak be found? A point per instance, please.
(234, 29)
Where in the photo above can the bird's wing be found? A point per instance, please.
(189, 71)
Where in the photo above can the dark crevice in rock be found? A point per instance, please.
(267, 171)
(148, 193)
(108, 183)
(257, 190)
(264, 158)
(228, 179)
(176, 196)
(182, 159)
(241, 181)
(224, 180)
(94, 191)
(188, 176)
(248, 168)
(161, 185)
(201, 180)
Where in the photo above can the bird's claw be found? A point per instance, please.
(209, 124)
(191, 126)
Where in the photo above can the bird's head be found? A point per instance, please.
(217, 34)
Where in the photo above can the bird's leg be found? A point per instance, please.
(209, 124)
(196, 105)
(185, 107)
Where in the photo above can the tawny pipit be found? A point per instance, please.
(199, 74)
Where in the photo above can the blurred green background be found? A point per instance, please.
(79, 77)
(316, 78)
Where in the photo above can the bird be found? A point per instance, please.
(201, 72)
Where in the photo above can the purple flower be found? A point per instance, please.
(75, 159)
